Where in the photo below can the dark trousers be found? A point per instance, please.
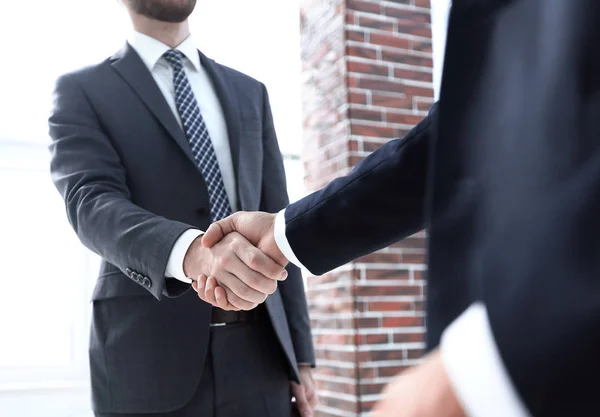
(245, 375)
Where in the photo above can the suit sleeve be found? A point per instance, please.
(87, 171)
(274, 198)
(380, 202)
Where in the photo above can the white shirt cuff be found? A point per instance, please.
(175, 263)
(474, 366)
(282, 242)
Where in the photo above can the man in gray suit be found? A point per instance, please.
(148, 149)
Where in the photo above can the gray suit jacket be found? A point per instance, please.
(131, 188)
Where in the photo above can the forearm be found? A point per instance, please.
(88, 172)
(124, 234)
(380, 202)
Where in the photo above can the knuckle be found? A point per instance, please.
(254, 281)
(234, 300)
(225, 261)
(241, 304)
(245, 292)
(251, 257)
(234, 241)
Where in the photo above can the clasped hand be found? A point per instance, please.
(236, 265)
(242, 266)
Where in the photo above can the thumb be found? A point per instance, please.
(303, 403)
(218, 230)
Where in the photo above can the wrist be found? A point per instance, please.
(192, 261)
(279, 256)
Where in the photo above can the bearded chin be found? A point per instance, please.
(163, 10)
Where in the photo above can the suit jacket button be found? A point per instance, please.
(128, 271)
(147, 282)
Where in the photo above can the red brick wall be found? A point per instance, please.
(367, 73)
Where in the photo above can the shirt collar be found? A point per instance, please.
(151, 50)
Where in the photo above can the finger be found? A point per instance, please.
(236, 276)
(303, 406)
(311, 396)
(236, 301)
(219, 294)
(218, 231)
(209, 291)
(229, 295)
(254, 280)
(221, 297)
(260, 264)
(199, 286)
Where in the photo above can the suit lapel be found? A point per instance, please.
(132, 69)
(130, 66)
(229, 100)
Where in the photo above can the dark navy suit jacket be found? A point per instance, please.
(505, 175)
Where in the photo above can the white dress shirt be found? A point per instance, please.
(151, 52)
(469, 353)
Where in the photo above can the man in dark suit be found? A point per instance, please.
(148, 148)
(504, 173)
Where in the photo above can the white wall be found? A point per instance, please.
(262, 39)
(70, 402)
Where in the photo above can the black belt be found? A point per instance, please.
(223, 318)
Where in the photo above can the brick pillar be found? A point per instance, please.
(367, 75)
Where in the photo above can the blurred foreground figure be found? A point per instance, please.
(505, 175)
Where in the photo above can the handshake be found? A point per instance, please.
(237, 263)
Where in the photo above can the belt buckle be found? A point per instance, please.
(223, 319)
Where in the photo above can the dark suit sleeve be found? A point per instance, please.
(88, 173)
(275, 198)
(380, 202)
